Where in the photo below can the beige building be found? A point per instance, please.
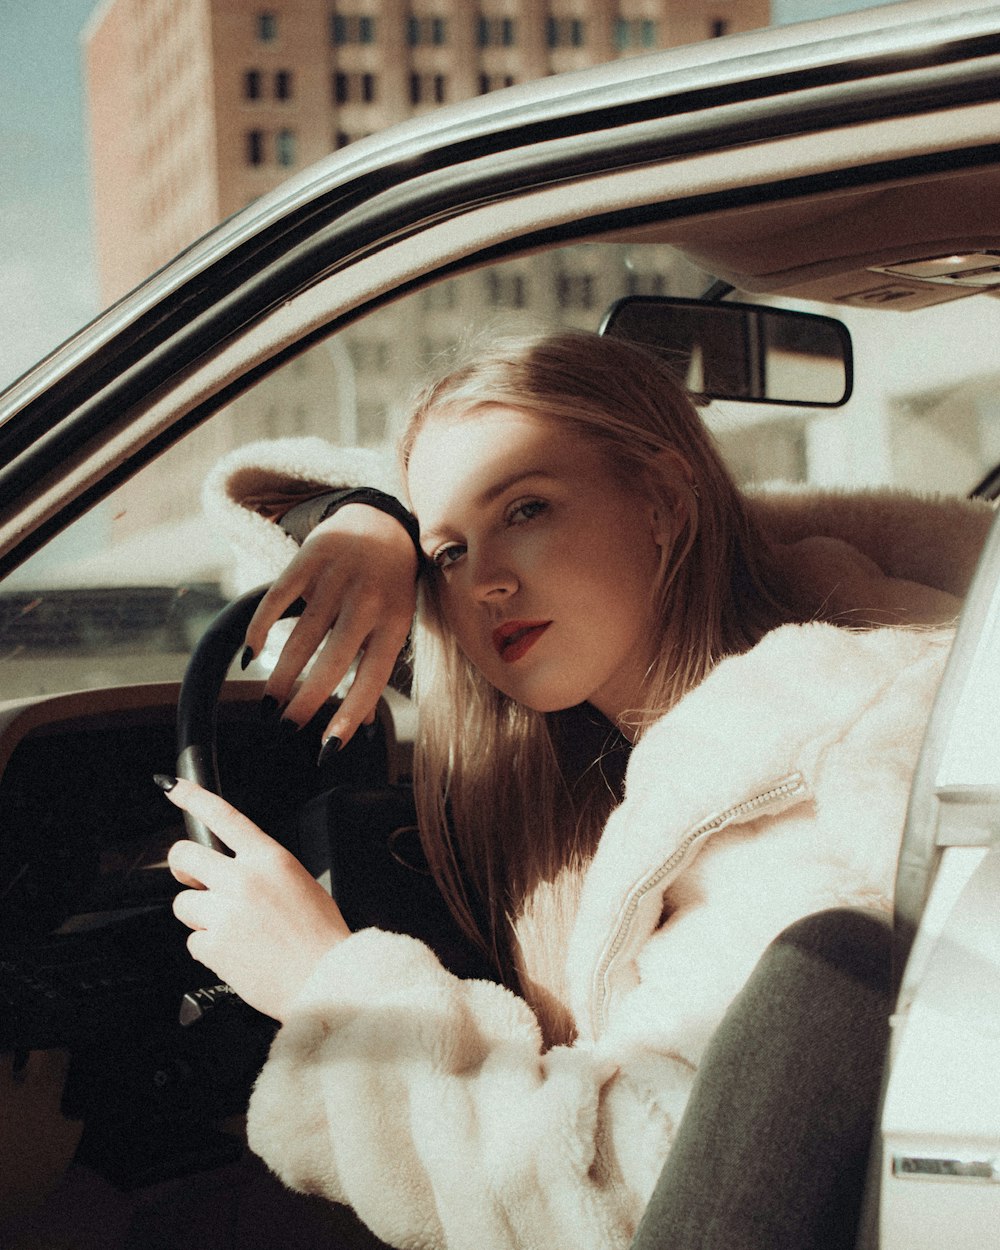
(199, 106)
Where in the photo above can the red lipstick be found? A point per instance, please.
(513, 639)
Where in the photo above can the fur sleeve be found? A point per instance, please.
(245, 490)
(429, 1105)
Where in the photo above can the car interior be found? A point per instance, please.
(124, 1069)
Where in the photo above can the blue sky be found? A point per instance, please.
(47, 272)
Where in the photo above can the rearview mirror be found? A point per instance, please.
(747, 352)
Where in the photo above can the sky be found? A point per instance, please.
(48, 283)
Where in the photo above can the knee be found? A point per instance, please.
(855, 943)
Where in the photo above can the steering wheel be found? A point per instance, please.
(375, 863)
(196, 708)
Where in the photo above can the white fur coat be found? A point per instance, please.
(775, 789)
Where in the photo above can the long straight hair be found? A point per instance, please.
(500, 810)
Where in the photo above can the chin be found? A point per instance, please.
(545, 701)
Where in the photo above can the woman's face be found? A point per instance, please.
(545, 563)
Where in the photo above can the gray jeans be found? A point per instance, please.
(773, 1147)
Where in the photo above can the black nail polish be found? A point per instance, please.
(287, 729)
(246, 658)
(270, 709)
(329, 748)
(165, 782)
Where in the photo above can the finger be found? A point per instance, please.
(230, 826)
(347, 638)
(306, 638)
(189, 908)
(374, 670)
(280, 595)
(199, 947)
(197, 866)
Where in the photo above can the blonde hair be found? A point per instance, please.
(488, 842)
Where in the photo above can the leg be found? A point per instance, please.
(772, 1150)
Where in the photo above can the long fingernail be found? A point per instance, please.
(246, 658)
(287, 729)
(165, 781)
(329, 748)
(270, 709)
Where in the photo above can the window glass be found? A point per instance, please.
(284, 147)
(123, 594)
(497, 32)
(348, 28)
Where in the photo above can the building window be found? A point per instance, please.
(283, 84)
(423, 31)
(565, 32)
(350, 88)
(251, 85)
(428, 89)
(352, 28)
(267, 27)
(284, 148)
(719, 27)
(639, 283)
(255, 147)
(494, 82)
(575, 290)
(343, 137)
(506, 290)
(635, 32)
(497, 32)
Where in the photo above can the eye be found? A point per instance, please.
(525, 511)
(445, 556)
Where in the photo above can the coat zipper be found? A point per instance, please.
(787, 788)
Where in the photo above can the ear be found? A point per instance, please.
(673, 499)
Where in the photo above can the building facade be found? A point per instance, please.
(197, 107)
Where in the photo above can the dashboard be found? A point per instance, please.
(92, 960)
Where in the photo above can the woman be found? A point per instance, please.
(587, 554)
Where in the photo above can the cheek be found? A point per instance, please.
(457, 615)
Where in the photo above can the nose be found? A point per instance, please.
(492, 578)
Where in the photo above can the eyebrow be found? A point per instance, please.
(494, 492)
(499, 488)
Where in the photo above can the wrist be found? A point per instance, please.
(304, 519)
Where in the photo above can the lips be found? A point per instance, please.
(513, 639)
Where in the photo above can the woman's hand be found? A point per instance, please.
(357, 573)
(259, 920)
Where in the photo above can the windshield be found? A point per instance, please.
(123, 594)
